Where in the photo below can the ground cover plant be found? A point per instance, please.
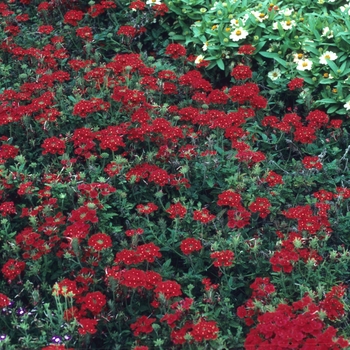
(155, 198)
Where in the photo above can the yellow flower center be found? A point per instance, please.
(300, 56)
(334, 91)
(325, 75)
(327, 57)
(214, 27)
(288, 23)
(228, 29)
(262, 15)
(238, 32)
(304, 64)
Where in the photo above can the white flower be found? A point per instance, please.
(287, 12)
(238, 34)
(347, 105)
(205, 46)
(274, 74)
(199, 59)
(237, 22)
(328, 55)
(327, 32)
(259, 16)
(305, 64)
(153, 2)
(298, 57)
(288, 24)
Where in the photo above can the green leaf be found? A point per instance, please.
(220, 64)
(274, 56)
(332, 109)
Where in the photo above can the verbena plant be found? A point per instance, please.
(147, 205)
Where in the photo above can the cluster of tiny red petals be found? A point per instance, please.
(223, 258)
(310, 162)
(168, 289)
(176, 210)
(4, 300)
(100, 241)
(204, 216)
(246, 49)
(142, 325)
(175, 51)
(146, 209)
(273, 179)
(190, 245)
(204, 330)
(261, 206)
(296, 83)
(13, 268)
(241, 72)
(229, 198)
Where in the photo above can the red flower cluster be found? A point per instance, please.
(273, 179)
(146, 208)
(246, 49)
(296, 83)
(4, 300)
(190, 245)
(175, 51)
(146, 252)
(223, 258)
(100, 241)
(143, 325)
(176, 210)
(168, 289)
(12, 268)
(204, 330)
(312, 163)
(53, 145)
(241, 72)
(204, 216)
(261, 206)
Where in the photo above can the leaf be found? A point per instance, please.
(326, 100)
(220, 64)
(332, 109)
(274, 56)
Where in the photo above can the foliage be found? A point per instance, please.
(146, 205)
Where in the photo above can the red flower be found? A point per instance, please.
(7, 208)
(241, 72)
(146, 208)
(312, 163)
(4, 300)
(137, 5)
(53, 145)
(204, 330)
(190, 245)
(223, 258)
(87, 325)
(273, 179)
(317, 119)
(261, 206)
(238, 218)
(129, 31)
(133, 232)
(45, 29)
(246, 49)
(305, 134)
(73, 17)
(176, 210)
(100, 241)
(13, 268)
(94, 302)
(204, 216)
(85, 33)
(230, 198)
(148, 252)
(168, 289)
(296, 83)
(175, 51)
(143, 325)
